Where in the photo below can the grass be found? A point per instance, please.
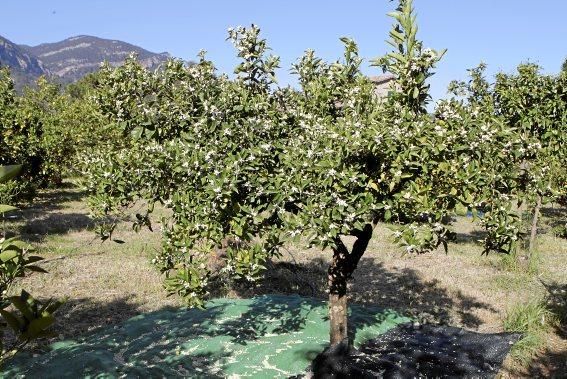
(507, 281)
(534, 320)
(521, 263)
(107, 283)
(104, 283)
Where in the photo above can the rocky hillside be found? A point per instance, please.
(25, 67)
(73, 58)
(69, 60)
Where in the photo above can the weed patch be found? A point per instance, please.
(534, 320)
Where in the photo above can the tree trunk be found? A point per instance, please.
(534, 226)
(338, 309)
(340, 271)
(338, 317)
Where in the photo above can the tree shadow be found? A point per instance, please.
(553, 217)
(83, 315)
(269, 315)
(304, 279)
(549, 364)
(53, 199)
(78, 316)
(116, 336)
(474, 237)
(554, 212)
(556, 302)
(406, 292)
(373, 284)
(46, 215)
(54, 212)
(36, 229)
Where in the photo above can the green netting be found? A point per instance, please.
(264, 337)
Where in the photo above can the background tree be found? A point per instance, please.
(43, 129)
(533, 106)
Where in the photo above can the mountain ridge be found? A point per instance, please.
(70, 59)
(25, 67)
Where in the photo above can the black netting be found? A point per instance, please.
(409, 351)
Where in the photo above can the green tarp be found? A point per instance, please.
(264, 337)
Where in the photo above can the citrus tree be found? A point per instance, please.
(245, 167)
(534, 107)
(360, 160)
(205, 147)
(41, 111)
(13, 138)
(42, 129)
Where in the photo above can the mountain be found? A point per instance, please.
(25, 66)
(73, 58)
(69, 60)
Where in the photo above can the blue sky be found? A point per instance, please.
(501, 33)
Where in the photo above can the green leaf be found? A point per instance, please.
(392, 185)
(37, 326)
(8, 172)
(15, 244)
(7, 208)
(415, 92)
(50, 307)
(8, 255)
(137, 132)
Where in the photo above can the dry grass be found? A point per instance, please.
(106, 283)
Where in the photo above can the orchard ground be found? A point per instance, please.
(106, 283)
